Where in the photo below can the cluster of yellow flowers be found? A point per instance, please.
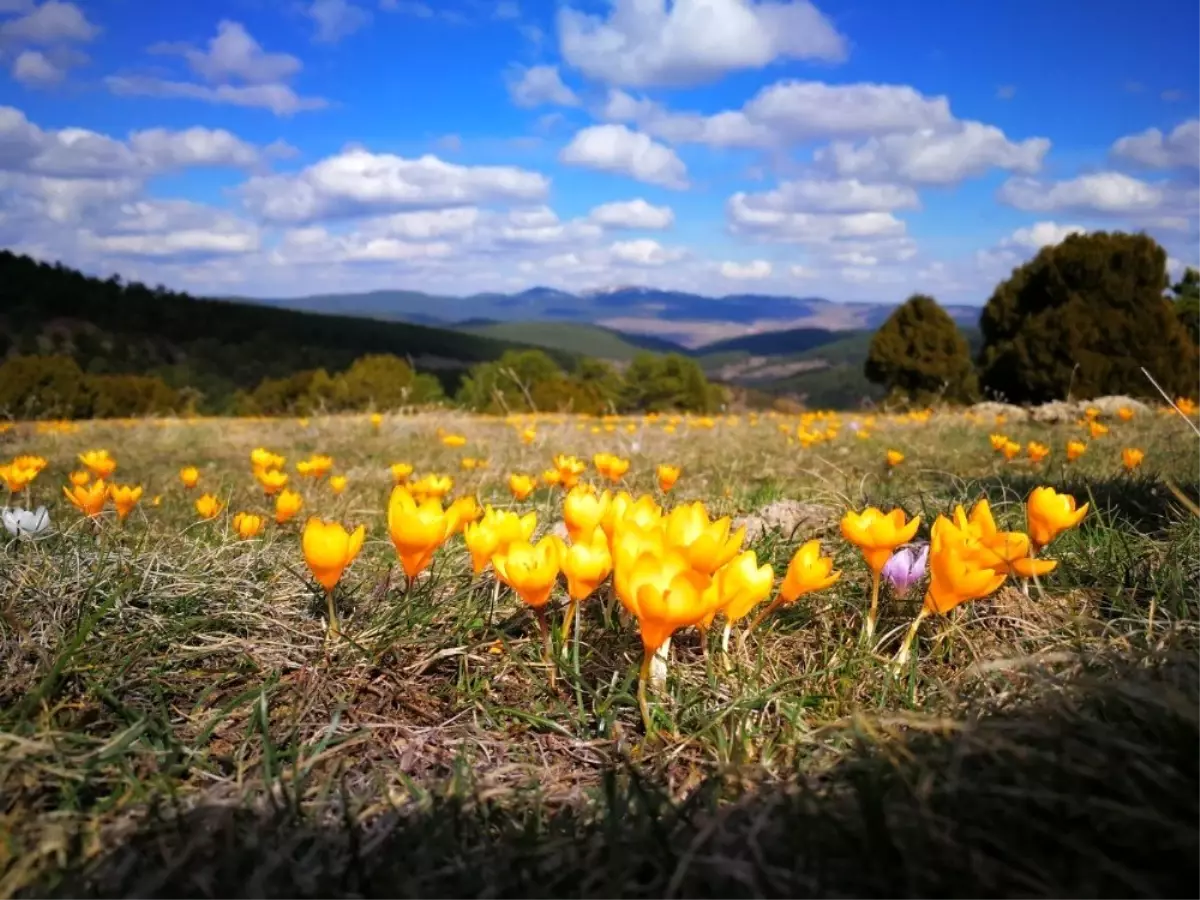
(1131, 457)
(21, 471)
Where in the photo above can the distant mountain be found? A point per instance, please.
(689, 319)
(573, 337)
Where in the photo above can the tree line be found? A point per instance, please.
(1081, 319)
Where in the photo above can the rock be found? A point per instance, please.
(1108, 406)
(789, 517)
(1057, 411)
(990, 410)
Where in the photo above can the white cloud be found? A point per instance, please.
(32, 69)
(234, 54)
(278, 98)
(752, 214)
(541, 225)
(636, 214)
(644, 252)
(170, 229)
(789, 112)
(1152, 149)
(1103, 192)
(50, 23)
(506, 9)
(1041, 234)
(79, 153)
(932, 156)
(357, 181)
(833, 196)
(540, 85)
(683, 42)
(756, 270)
(335, 19)
(614, 148)
(237, 72)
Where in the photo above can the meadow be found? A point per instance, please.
(177, 718)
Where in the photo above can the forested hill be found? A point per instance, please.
(214, 346)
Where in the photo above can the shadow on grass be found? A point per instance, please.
(1089, 789)
(1144, 504)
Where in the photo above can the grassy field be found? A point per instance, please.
(174, 722)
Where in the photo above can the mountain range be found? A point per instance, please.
(688, 320)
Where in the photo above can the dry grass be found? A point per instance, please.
(172, 720)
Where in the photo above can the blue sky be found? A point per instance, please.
(856, 150)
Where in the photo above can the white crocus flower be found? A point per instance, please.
(23, 523)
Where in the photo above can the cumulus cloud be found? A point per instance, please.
(1111, 193)
(833, 196)
(52, 22)
(1154, 150)
(789, 112)
(235, 70)
(357, 182)
(538, 86)
(932, 156)
(755, 270)
(170, 229)
(614, 148)
(32, 68)
(686, 42)
(335, 19)
(758, 214)
(644, 252)
(634, 214)
(79, 153)
(1041, 234)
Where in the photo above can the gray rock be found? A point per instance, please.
(1056, 412)
(789, 517)
(1108, 406)
(990, 410)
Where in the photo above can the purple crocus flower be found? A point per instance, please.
(906, 568)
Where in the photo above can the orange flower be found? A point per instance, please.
(1124, 413)
(453, 440)
(1097, 430)
(98, 462)
(461, 512)
(247, 525)
(877, 535)
(1075, 449)
(1010, 450)
(337, 483)
(894, 457)
(431, 487)
(271, 480)
(124, 499)
(79, 479)
(328, 549)
(807, 572)
(17, 477)
(1131, 458)
(1050, 513)
(569, 470)
(998, 441)
(400, 472)
(521, 486)
(208, 506)
(552, 477)
(667, 476)
(88, 499)
(583, 510)
(611, 467)
(316, 466)
(741, 584)
(190, 476)
(586, 563)
(530, 569)
(416, 529)
(1037, 452)
(287, 504)
(706, 545)
(494, 532)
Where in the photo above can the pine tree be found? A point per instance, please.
(919, 355)
(1082, 318)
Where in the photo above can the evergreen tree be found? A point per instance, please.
(1187, 302)
(1082, 318)
(918, 355)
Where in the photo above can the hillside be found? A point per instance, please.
(773, 343)
(628, 310)
(573, 337)
(214, 346)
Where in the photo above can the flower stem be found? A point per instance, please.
(902, 656)
(333, 631)
(873, 612)
(547, 643)
(766, 611)
(643, 677)
(568, 619)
